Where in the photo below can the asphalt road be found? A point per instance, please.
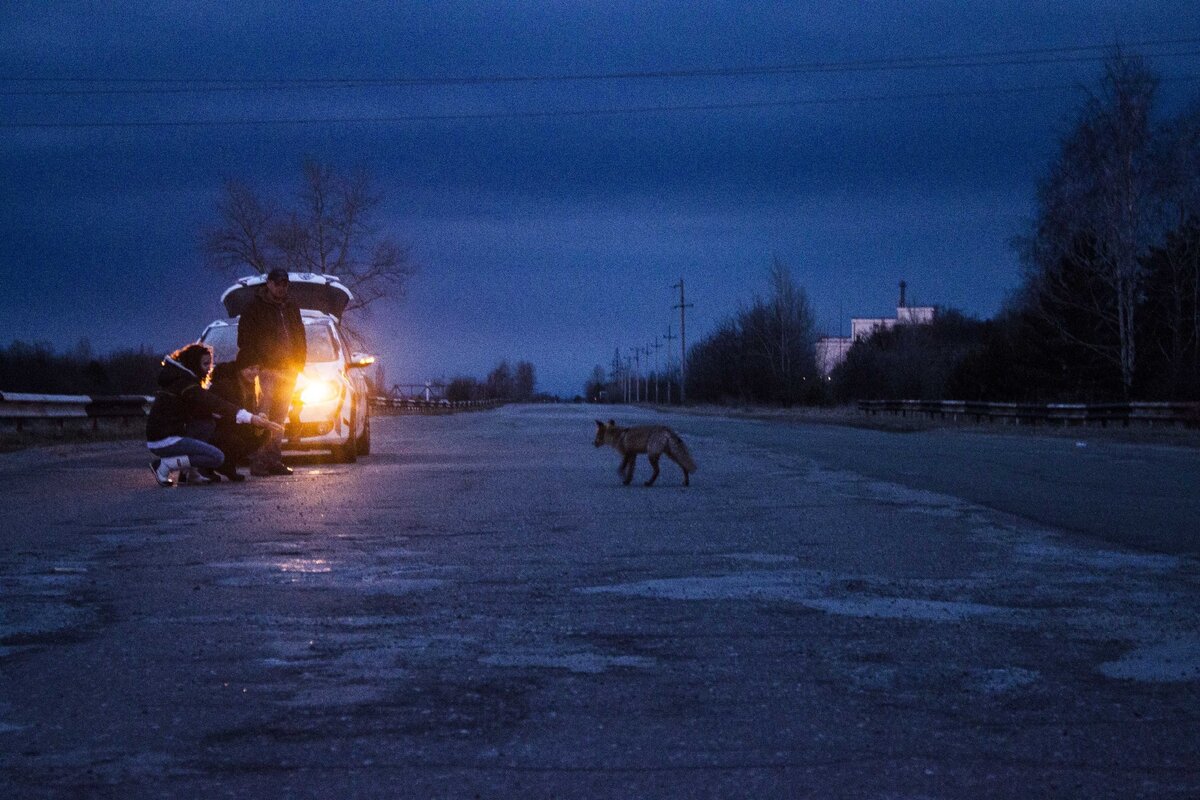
(481, 609)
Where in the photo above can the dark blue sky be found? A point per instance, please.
(541, 233)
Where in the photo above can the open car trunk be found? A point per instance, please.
(307, 290)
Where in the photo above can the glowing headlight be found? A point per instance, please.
(318, 391)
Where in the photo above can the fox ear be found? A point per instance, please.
(599, 424)
(612, 423)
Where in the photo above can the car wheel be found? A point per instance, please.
(347, 451)
(364, 442)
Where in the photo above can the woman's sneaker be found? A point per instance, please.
(162, 473)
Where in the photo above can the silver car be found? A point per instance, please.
(331, 407)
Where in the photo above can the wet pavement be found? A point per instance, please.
(479, 608)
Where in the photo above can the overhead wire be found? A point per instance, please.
(560, 113)
(1038, 56)
(991, 58)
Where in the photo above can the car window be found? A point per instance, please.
(322, 346)
(318, 336)
(223, 340)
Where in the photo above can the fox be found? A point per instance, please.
(653, 440)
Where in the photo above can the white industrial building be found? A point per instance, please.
(831, 350)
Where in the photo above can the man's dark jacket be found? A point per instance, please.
(271, 334)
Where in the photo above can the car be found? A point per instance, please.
(331, 407)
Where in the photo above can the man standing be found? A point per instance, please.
(271, 345)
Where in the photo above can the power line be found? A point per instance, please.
(995, 58)
(565, 113)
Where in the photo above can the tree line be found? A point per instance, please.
(1112, 261)
(505, 382)
(1107, 308)
(765, 353)
(38, 368)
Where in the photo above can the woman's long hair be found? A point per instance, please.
(190, 356)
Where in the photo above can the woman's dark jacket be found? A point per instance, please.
(271, 334)
(234, 440)
(181, 399)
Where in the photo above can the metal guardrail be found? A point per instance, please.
(1187, 414)
(412, 405)
(19, 409)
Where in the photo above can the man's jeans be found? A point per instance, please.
(274, 399)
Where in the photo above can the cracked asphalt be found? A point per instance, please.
(480, 609)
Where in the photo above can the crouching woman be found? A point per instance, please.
(182, 415)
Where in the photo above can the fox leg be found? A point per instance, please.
(653, 459)
(671, 456)
(627, 468)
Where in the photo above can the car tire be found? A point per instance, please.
(347, 451)
(363, 444)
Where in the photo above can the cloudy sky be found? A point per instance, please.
(861, 143)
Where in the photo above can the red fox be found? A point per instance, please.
(653, 440)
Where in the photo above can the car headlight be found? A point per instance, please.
(318, 391)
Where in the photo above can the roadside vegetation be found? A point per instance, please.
(765, 353)
(1107, 309)
(38, 368)
(1109, 303)
(517, 384)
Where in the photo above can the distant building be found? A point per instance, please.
(831, 350)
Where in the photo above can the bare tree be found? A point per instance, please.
(329, 229)
(1173, 294)
(1098, 216)
(596, 386)
(778, 336)
(792, 316)
(524, 381)
(499, 383)
(765, 353)
(241, 237)
(463, 388)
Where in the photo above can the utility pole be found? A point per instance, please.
(683, 306)
(637, 374)
(617, 381)
(670, 338)
(657, 345)
(629, 372)
(648, 352)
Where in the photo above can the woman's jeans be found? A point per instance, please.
(200, 454)
(195, 445)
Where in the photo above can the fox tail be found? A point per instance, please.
(680, 453)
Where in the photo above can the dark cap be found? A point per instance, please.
(278, 275)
